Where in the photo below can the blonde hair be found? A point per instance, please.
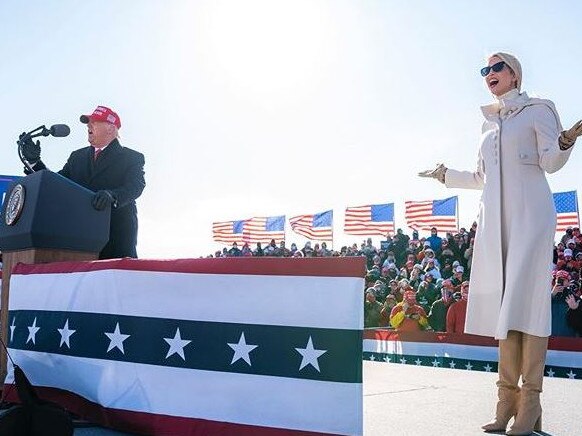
(513, 64)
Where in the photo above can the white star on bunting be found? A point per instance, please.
(551, 372)
(12, 327)
(488, 368)
(403, 361)
(469, 366)
(242, 350)
(372, 358)
(435, 363)
(452, 364)
(418, 362)
(116, 339)
(32, 331)
(177, 345)
(66, 334)
(387, 359)
(309, 355)
(571, 375)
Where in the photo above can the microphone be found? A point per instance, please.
(59, 130)
(56, 130)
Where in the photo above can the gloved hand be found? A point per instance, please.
(438, 173)
(102, 199)
(31, 150)
(568, 137)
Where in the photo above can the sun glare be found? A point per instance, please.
(262, 47)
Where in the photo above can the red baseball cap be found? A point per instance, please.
(104, 114)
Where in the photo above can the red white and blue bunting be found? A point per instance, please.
(463, 352)
(246, 346)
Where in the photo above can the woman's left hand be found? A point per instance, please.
(568, 137)
(438, 173)
(575, 131)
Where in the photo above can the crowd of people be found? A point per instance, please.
(415, 283)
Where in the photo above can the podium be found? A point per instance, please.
(46, 218)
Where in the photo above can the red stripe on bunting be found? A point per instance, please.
(555, 343)
(268, 266)
(148, 423)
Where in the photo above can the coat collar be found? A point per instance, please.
(505, 106)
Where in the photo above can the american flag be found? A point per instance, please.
(317, 227)
(566, 210)
(228, 231)
(423, 215)
(263, 229)
(251, 230)
(373, 219)
(5, 182)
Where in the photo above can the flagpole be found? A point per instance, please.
(393, 221)
(457, 208)
(332, 237)
(577, 210)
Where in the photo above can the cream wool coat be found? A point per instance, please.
(510, 274)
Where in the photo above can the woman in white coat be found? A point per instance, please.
(510, 275)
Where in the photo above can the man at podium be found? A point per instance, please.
(113, 172)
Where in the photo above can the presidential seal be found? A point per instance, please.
(14, 205)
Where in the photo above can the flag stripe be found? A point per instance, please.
(207, 350)
(421, 215)
(304, 225)
(566, 204)
(428, 349)
(239, 298)
(208, 394)
(253, 230)
(359, 221)
(469, 352)
(148, 423)
(558, 343)
(224, 232)
(265, 266)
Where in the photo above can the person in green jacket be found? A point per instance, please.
(437, 317)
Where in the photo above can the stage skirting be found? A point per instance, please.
(463, 352)
(208, 346)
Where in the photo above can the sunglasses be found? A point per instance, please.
(495, 67)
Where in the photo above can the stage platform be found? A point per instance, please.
(409, 400)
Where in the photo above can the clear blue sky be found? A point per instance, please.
(253, 108)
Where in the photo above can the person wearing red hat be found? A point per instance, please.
(114, 172)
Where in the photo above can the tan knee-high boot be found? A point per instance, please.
(508, 390)
(529, 412)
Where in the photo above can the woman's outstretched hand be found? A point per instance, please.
(438, 173)
(568, 137)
